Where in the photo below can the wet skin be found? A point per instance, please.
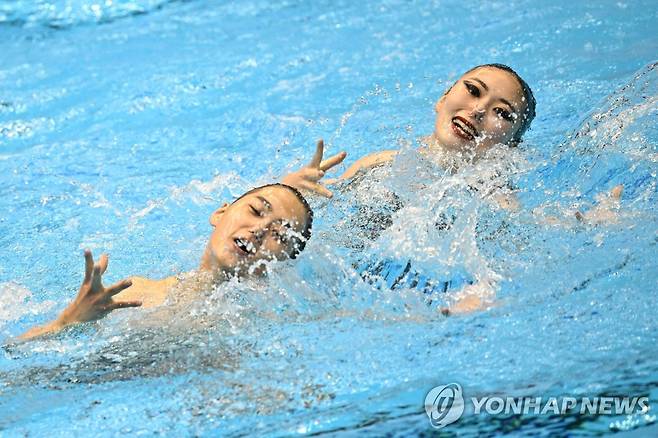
(483, 108)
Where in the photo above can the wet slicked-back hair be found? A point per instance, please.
(529, 114)
(299, 244)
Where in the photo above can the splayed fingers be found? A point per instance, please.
(333, 161)
(318, 163)
(308, 177)
(94, 300)
(118, 287)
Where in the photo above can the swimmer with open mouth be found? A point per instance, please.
(268, 223)
(490, 104)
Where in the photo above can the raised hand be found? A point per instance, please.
(94, 301)
(308, 177)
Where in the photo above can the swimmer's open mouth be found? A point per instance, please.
(463, 128)
(244, 246)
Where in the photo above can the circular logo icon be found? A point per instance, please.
(444, 405)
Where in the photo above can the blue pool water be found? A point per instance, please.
(123, 124)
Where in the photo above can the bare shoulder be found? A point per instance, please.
(150, 292)
(369, 161)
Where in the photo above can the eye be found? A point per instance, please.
(280, 237)
(472, 89)
(504, 114)
(255, 211)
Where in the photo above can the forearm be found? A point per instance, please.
(368, 162)
(93, 301)
(50, 328)
(606, 211)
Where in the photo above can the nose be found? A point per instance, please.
(258, 234)
(478, 113)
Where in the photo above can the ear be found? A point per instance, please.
(217, 214)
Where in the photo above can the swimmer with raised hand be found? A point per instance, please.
(92, 302)
(271, 222)
(489, 105)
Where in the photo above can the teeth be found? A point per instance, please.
(241, 244)
(246, 246)
(465, 128)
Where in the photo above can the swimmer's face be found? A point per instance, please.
(261, 226)
(483, 108)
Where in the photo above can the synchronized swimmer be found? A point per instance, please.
(268, 223)
(487, 106)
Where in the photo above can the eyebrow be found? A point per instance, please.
(481, 83)
(506, 102)
(266, 203)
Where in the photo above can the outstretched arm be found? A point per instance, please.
(93, 301)
(480, 296)
(309, 176)
(367, 162)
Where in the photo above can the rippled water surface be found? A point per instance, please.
(123, 124)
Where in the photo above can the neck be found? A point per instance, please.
(445, 157)
(211, 266)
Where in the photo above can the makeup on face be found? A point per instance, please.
(480, 110)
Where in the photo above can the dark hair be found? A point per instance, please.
(529, 113)
(299, 244)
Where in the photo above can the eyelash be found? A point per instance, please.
(504, 114)
(472, 89)
(280, 237)
(255, 211)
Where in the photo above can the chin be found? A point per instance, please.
(451, 142)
